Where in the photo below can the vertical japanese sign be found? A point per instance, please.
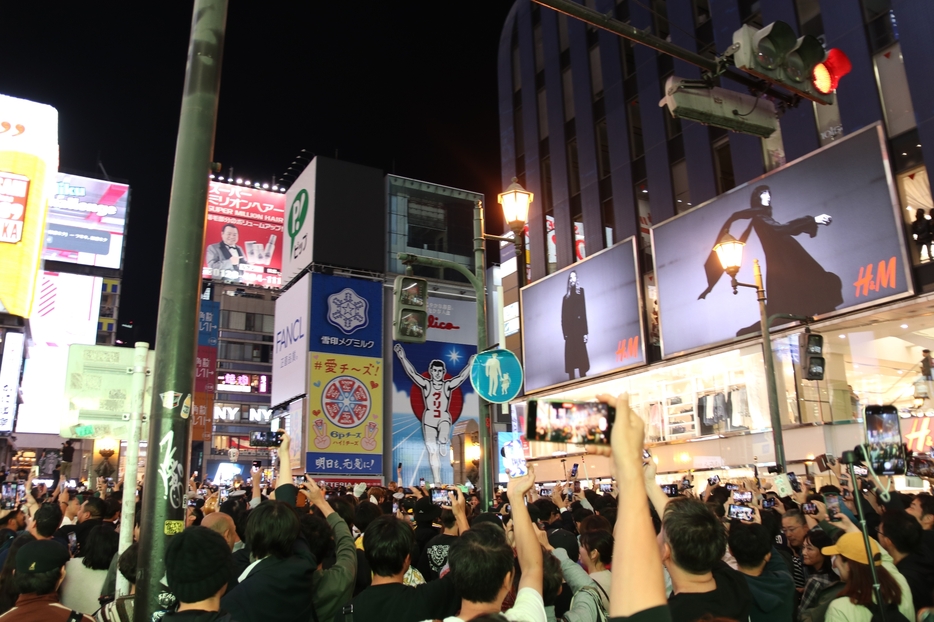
(28, 163)
(346, 403)
(431, 391)
(290, 358)
(243, 237)
(10, 366)
(202, 411)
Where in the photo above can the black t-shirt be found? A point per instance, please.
(655, 614)
(401, 603)
(68, 453)
(434, 556)
(731, 599)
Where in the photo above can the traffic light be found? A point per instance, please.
(812, 356)
(801, 65)
(410, 309)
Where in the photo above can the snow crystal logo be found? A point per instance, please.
(348, 311)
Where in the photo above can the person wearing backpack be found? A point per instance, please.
(857, 601)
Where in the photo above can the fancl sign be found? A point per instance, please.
(290, 360)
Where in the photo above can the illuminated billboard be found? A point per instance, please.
(825, 230)
(87, 220)
(28, 162)
(584, 320)
(243, 383)
(243, 239)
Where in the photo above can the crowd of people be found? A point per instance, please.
(293, 551)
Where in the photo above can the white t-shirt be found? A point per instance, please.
(529, 607)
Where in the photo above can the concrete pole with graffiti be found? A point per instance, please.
(165, 485)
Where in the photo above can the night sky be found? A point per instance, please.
(408, 87)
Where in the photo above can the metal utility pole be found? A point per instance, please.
(128, 510)
(169, 447)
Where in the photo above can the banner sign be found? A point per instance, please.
(86, 222)
(299, 216)
(243, 239)
(28, 164)
(346, 403)
(431, 391)
(10, 366)
(202, 411)
(290, 351)
(584, 320)
(209, 318)
(827, 233)
(346, 315)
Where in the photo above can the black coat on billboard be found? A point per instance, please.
(574, 328)
(795, 282)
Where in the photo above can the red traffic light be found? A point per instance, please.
(826, 75)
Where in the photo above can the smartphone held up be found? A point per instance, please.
(580, 423)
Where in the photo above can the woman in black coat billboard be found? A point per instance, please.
(574, 327)
(794, 282)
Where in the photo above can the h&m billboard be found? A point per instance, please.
(825, 229)
(584, 320)
(243, 237)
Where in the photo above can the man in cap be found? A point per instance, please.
(197, 568)
(40, 570)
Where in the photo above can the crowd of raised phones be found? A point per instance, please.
(297, 553)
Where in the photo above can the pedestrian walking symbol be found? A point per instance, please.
(496, 376)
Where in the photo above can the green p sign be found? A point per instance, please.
(297, 214)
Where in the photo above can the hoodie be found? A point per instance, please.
(731, 599)
(918, 570)
(773, 592)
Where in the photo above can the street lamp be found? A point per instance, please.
(516, 201)
(729, 251)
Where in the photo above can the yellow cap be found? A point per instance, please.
(852, 546)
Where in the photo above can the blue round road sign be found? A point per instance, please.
(496, 376)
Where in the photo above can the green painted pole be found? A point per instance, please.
(169, 449)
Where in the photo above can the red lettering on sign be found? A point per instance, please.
(627, 349)
(433, 322)
(884, 277)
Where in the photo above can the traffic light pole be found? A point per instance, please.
(478, 280)
(713, 66)
(164, 493)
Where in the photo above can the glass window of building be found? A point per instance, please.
(564, 41)
(914, 192)
(603, 149)
(269, 324)
(679, 184)
(723, 164)
(596, 72)
(539, 47)
(609, 221)
(567, 87)
(809, 18)
(542, 114)
(628, 56)
(636, 145)
(516, 69)
(893, 89)
(236, 320)
(880, 23)
(701, 12)
(574, 182)
(773, 150)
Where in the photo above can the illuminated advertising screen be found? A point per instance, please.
(86, 222)
(825, 230)
(584, 320)
(243, 383)
(243, 240)
(28, 163)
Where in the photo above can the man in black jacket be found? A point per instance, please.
(197, 567)
(277, 585)
(900, 536)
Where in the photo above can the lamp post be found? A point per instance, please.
(730, 253)
(515, 201)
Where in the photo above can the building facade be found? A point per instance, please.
(581, 127)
